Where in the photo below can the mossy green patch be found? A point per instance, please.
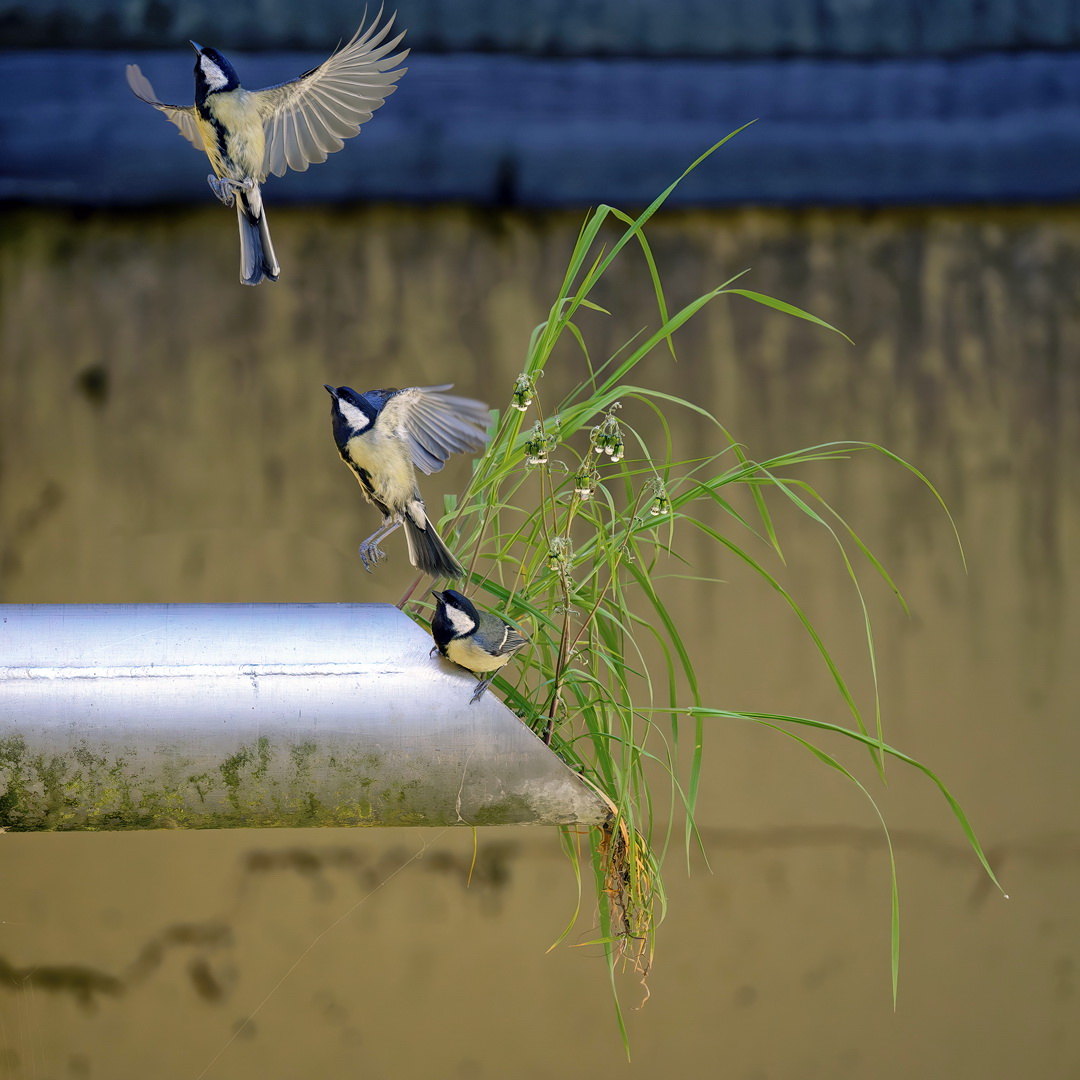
(261, 783)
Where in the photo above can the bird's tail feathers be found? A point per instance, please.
(257, 258)
(427, 551)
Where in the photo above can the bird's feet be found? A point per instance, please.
(371, 554)
(484, 684)
(226, 189)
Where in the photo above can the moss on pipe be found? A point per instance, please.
(259, 785)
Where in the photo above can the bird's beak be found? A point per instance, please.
(331, 390)
(196, 46)
(438, 595)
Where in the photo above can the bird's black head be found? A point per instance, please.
(455, 616)
(213, 73)
(354, 413)
(351, 413)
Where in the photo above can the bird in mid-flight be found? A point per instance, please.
(248, 134)
(384, 436)
(480, 643)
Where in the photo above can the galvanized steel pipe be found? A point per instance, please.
(239, 715)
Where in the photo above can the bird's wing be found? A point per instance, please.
(514, 640)
(308, 118)
(435, 424)
(183, 116)
(501, 636)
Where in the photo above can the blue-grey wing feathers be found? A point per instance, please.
(435, 424)
(511, 640)
(309, 117)
(183, 116)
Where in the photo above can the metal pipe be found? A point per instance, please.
(240, 715)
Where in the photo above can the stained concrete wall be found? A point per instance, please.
(164, 435)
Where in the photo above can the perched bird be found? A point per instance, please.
(247, 134)
(480, 643)
(381, 435)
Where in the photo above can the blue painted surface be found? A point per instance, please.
(544, 132)
(652, 28)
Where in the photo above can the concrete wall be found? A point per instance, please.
(164, 435)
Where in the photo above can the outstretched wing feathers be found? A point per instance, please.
(308, 118)
(435, 424)
(183, 116)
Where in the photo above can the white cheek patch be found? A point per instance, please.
(215, 77)
(356, 418)
(461, 621)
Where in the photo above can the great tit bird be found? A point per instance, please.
(381, 435)
(249, 133)
(480, 643)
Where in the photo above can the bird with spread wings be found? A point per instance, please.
(248, 134)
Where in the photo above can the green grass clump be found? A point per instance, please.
(564, 523)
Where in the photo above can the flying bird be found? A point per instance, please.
(384, 436)
(248, 134)
(480, 643)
